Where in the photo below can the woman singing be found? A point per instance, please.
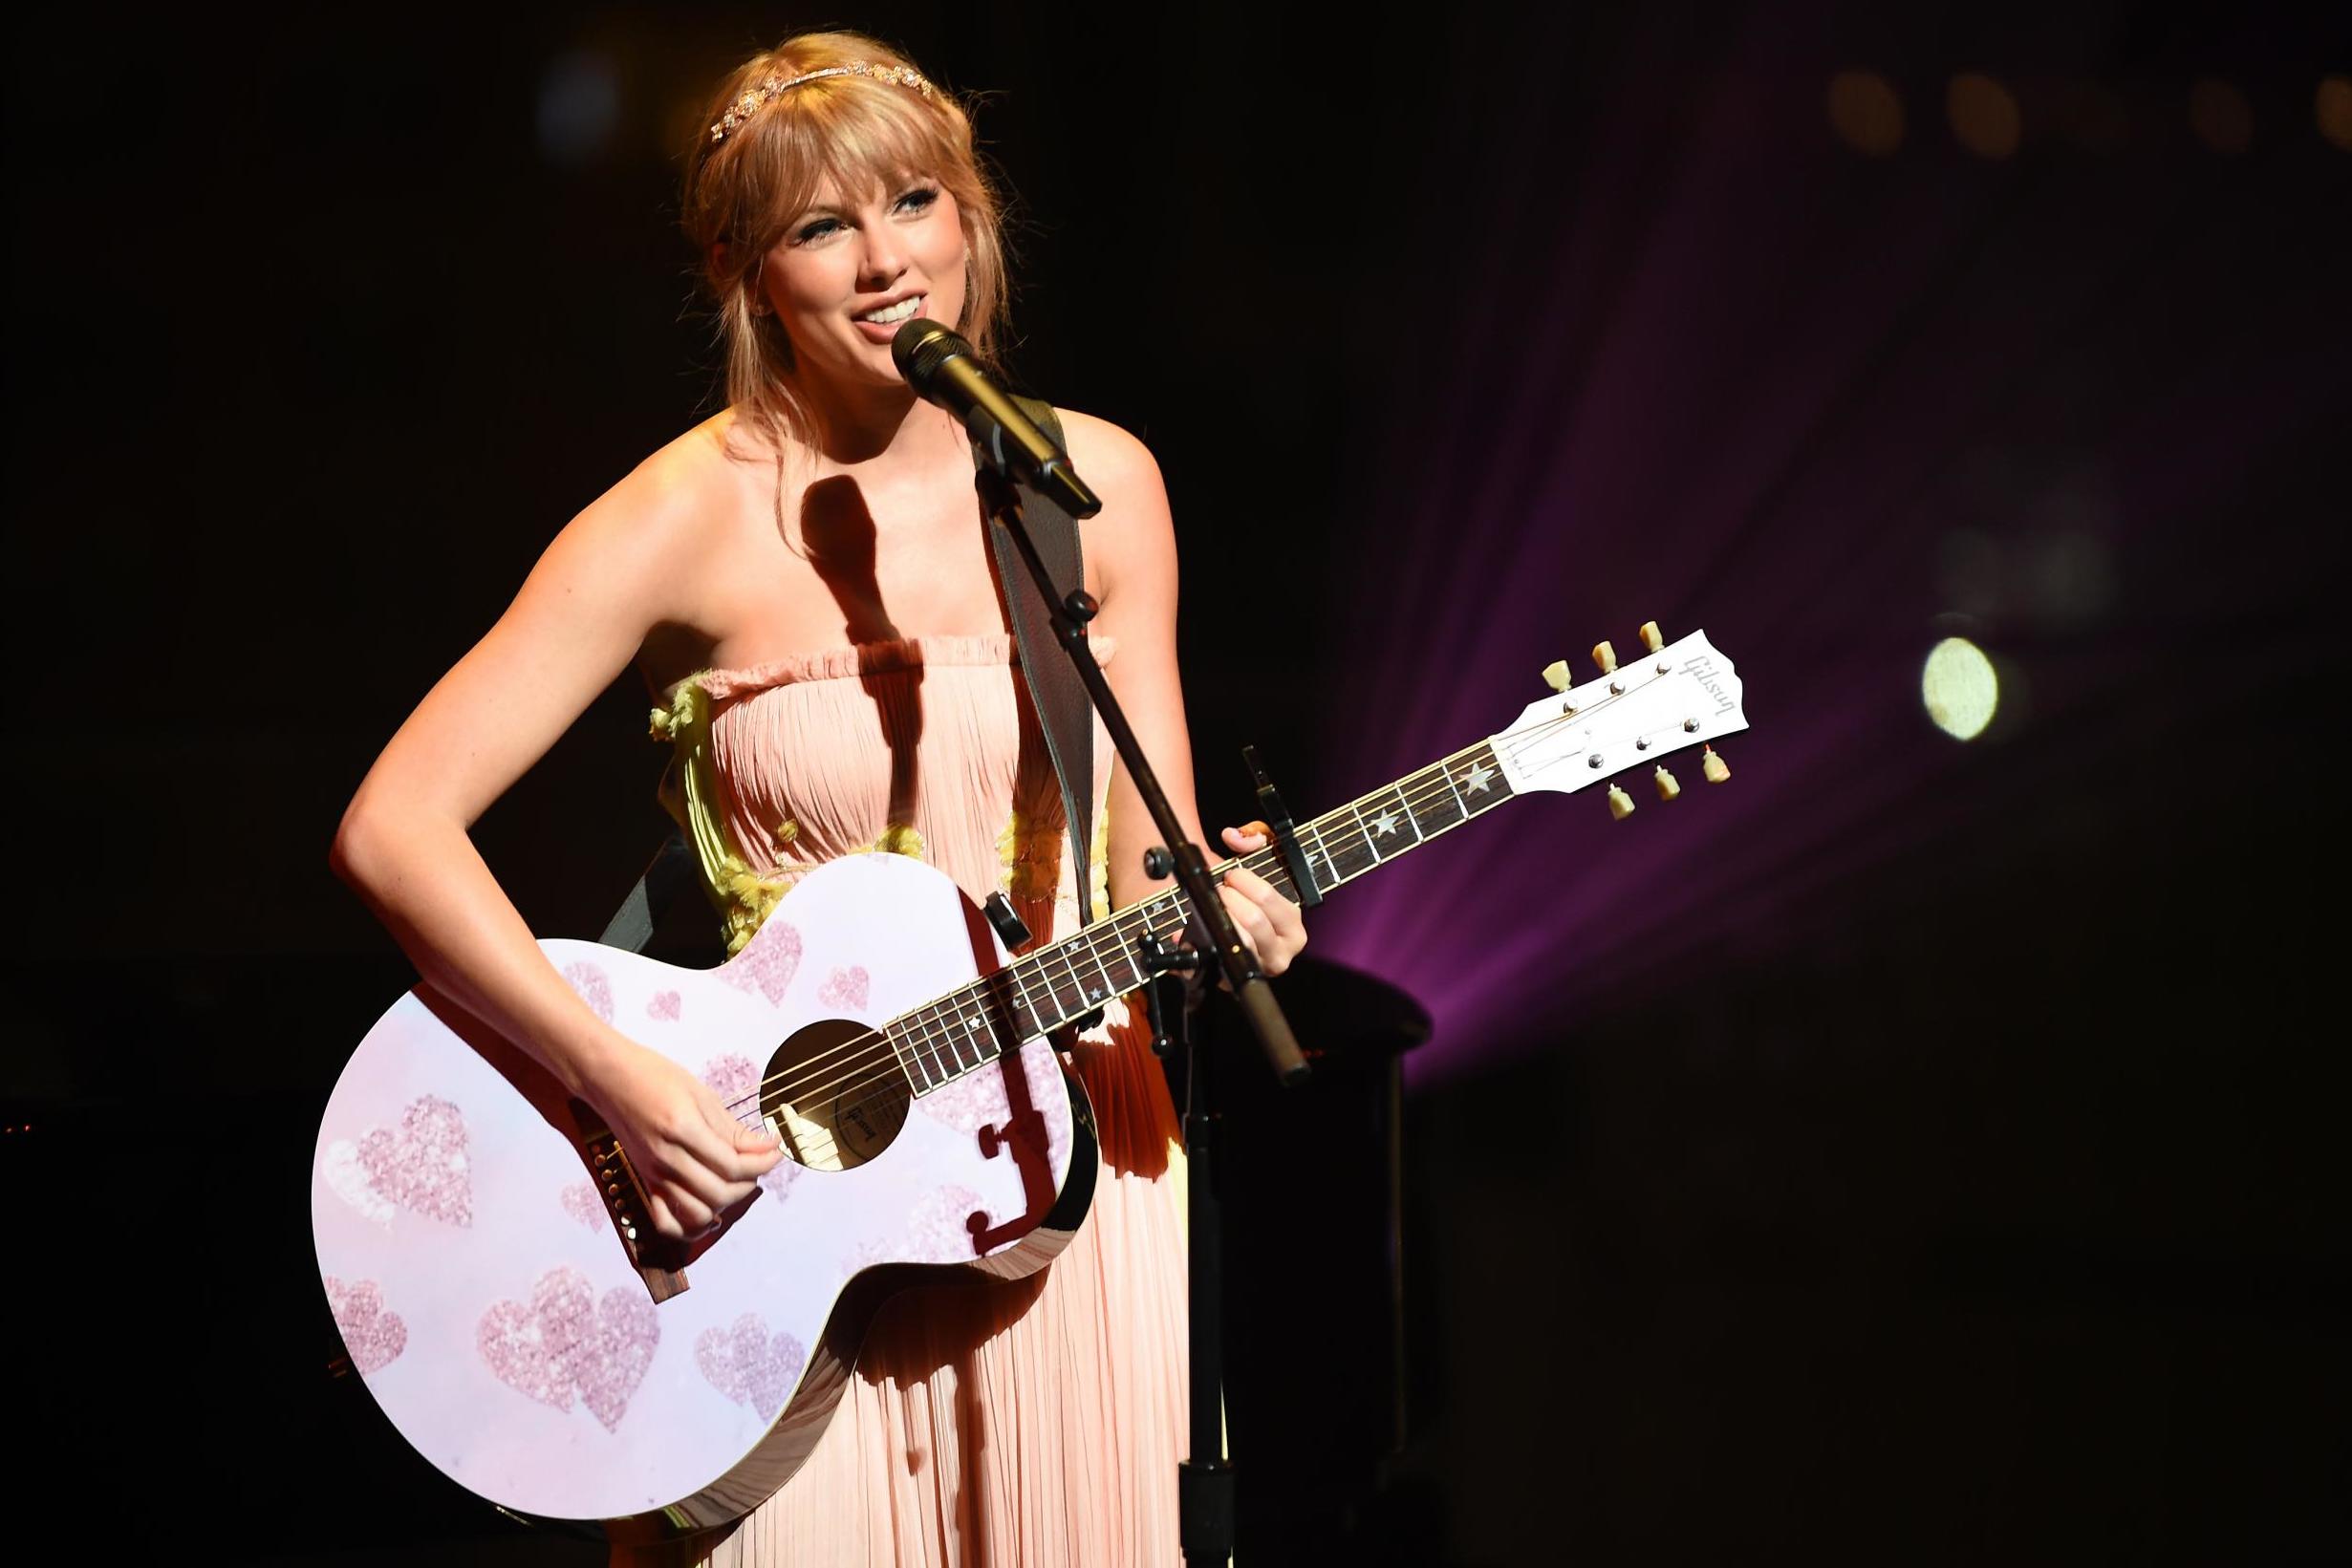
(806, 583)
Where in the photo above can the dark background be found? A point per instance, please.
(1924, 1157)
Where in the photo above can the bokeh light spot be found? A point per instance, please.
(1865, 113)
(2332, 110)
(2220, 115)
(1960, 687)
(1984, 116)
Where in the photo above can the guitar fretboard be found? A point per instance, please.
(1035, 995)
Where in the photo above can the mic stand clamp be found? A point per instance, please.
(1170, 994)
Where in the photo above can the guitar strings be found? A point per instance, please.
(1134, 921)
(854, 1060)
(1126, 925)
(874, 1048)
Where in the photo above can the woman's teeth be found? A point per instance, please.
(899, 311)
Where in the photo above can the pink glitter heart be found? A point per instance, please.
(566, 1342)
(738, 1084)
(938, 1230)
(664, 1006)
(581, 1204)
(510, 1344)
(748, 1366)
(769, 960)
(609, 1366)
(844, 988)
(779, 1181)
(735, 1081)
(372, 1336)
(980, 1099)
(423, 1166)
(588, 981)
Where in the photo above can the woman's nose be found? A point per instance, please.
(885, 260)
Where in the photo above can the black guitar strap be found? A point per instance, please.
(1060, 697)
(670, 872)
(1064, 714)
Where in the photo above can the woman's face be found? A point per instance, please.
(850, 271)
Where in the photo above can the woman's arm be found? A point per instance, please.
(616, 570)
(1132, 542)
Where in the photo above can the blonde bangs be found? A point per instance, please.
(861, 144)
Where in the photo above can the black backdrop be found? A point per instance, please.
(1977, 1207)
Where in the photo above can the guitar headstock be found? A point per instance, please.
(1674, 697)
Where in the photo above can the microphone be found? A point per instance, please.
(941, 368)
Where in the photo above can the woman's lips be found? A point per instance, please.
(883, 331)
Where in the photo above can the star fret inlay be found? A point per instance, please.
(1477, 776)
(1385, 823)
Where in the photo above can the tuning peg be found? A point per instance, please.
(1620, 803)
(1649, 637)
(1668, 789)
(1605, 656)
(1556, 675)
(1717, 768)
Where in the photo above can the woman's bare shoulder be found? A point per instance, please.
(1131, 541)
(1106, 453)
(663, 516)
(680, 485)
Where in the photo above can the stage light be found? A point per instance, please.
(1984, 116)
(2332, 108)
(1865, 113)
(2220, 115)
(1960, 687)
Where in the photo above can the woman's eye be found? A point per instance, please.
(917, 199)
(817, 231)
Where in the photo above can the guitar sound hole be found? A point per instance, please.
(835, 1094)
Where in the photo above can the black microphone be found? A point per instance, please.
(942, 369)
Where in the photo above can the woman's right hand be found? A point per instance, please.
(694, 1160)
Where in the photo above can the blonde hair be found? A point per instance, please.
(742, 192)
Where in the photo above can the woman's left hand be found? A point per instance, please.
(1269, 923)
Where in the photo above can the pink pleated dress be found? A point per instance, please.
(1019, 1424)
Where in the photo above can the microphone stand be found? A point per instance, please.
(1205, 1481)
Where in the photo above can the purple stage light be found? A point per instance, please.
(1758, 382)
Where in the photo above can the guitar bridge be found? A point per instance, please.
(624, 1201)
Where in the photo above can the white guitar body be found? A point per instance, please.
(486, 1291)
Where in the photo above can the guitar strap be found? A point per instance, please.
(667, 874)
(1060, 697)
(1064, 714)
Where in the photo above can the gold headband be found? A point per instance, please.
(753, 98)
